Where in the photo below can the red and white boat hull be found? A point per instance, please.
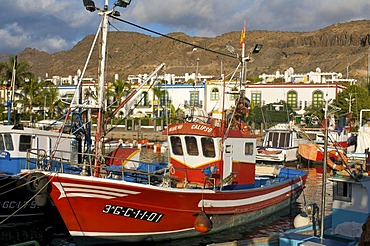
(125, 211)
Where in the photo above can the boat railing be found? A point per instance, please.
(154, 173)
(42, 160)
(82, 164)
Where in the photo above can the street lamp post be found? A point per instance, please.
(350, 101)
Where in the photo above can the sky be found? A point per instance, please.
(57, 25)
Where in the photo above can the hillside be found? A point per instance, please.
(331, 48)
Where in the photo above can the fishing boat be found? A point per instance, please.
(24, 214)
(209, 184)
(280, 144)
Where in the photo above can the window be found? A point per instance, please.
(318, 99)
(342, 191)
(214, 94)
(235, 94)
(2, 145)
(256, 98)
(191, 146)
(292, 99)
(194, 98)
(284, 139)
(144, 99)
(176, 146)
(24, 143)
(208, 147)
(278, 139)
(248, 148)
(8, 142)
(272, 139)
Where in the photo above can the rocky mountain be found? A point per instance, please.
(337, 48)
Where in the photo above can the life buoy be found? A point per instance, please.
(36, 183)
(336, 155)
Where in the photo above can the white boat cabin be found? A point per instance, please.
(200, 150)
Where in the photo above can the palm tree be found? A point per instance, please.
(31, 94)
(121, 89)
(6, 72)
(161, 97)
(54, 104)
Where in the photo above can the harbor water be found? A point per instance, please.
(268, 226)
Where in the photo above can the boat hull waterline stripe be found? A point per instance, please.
(92, 234)
(246, 201)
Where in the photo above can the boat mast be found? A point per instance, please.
(243, 61)
(10, 103)
(105, 13)
(101, 82)
(323, 198)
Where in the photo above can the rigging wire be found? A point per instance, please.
(175, 39)
(135, 44)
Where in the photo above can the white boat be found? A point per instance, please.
(17, 143)
(280, 144)
(25, 215)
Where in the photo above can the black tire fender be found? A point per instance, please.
(36, 183)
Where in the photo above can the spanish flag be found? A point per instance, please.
(242, 36)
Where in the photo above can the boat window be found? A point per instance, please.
(248, 148)
(208, 147)
(342, 191)
(8, 142)
(2, 146)
(191, 146)
(176, 146)
(273, 139)
(24, 143)
(284, 139)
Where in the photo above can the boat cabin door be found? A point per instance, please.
(228, 161)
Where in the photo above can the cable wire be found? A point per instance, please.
(176, 39)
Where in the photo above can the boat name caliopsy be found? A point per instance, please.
(133, 213)
(201, 128)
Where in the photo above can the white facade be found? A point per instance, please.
(305, 93)
(311, 77)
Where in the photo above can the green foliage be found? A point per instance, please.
(53, 104)
(268, 115)
(359, 96)
(31, 94)
(6, 72)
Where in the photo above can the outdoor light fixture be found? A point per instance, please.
(122, 3)
(116, 13)
(257, 48)
(89, 5)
